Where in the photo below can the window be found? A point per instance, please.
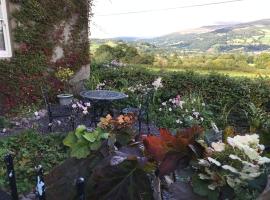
(5, 44)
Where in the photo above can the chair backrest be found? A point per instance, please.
(46, 98)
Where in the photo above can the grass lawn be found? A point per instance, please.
(254, 74)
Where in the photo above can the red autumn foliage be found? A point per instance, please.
(171, 150)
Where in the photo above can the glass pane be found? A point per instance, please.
(2, 40)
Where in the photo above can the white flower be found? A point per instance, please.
(50, 124)
(178, 121)
(170, 100)
(212, 186)
(157, 83)
(261, 147)
(204, 177)
(214, 127)
(170, 109)
(84, 108)
(180, 104)
(202, 119)
(204, 163)
(263, 160)
(230, 168)
(186, 110)
(214, 161)
(87, 104)
(74, 105)
(85, 112)
(4, 130)
(203, 104)
(36, 114)
(164, 103)
(218, 146)
(234, 157)
(160, 109)
(190, 118)
(196, 114)
(59, 122)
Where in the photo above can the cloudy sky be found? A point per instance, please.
(149, 18)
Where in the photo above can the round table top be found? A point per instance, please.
(106, 95)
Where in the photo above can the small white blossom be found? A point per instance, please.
(170, 109)
(202, 119)
(190, 118)
(4, 130)
(178, 121)
(230, 168)
(157, 83)
(36, 114)
(214, 161)
(218, 146)
(196, 114)
(164, 103)
(74, 105)
(87, 104)
(204, 163)
(234, 157)
(59, 122)
(203, 104)
(85, 112)
(263, 160)
(160, 109)
(214, 127)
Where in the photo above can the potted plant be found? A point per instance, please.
(64, 74)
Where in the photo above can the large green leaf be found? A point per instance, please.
(80, 130)
(70, 140)
(80, 150)
(91, 137)
(123, 182)
(95, 145)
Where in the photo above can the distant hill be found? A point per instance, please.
(245, 37)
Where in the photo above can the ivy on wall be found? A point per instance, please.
(41, 26)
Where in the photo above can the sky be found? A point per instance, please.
(156, 18)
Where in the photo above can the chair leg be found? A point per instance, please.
(72, 122)
(50, 124)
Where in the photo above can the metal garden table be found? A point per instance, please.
(101, 101)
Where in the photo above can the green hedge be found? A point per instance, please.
(220, 91)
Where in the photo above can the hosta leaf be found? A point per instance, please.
(80, 150)
(95, 146)
(122, 182)
(91, 137)
(70, 140)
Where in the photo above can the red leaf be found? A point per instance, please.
(155, 146)
(171, 162)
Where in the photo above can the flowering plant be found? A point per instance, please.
(182, 112)
(120, 128)
(233, 164)
(64, 74)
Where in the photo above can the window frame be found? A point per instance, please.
(7, 53)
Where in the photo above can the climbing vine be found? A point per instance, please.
(42, 27)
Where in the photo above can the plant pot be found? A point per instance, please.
(65, 99)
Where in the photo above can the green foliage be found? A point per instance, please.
(39, 29)
(82, 142)
(30, 150)
(122, 52)
(218, 91)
